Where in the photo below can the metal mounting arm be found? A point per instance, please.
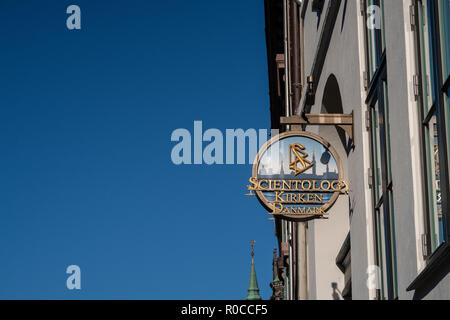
(343, 121)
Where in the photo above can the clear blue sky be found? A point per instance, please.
(85, 124)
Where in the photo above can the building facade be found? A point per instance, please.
(385, 64)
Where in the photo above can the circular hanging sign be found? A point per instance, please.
(297, 175)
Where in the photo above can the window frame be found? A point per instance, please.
(433, 258)
(385, 253)
(381, 182)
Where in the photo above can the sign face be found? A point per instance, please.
(297, 175)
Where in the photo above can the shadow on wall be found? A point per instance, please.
(351, 206)
(332, 103)
(434, 280)
(317, 7)
(344, 13)
(337, 294)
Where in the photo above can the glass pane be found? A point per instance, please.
(375, 34)
(371, 40)
(385, 240)
(388, 135)
(383, 34)
(434, 187)
(447, 121)
(393, 244)
(444, 17)
(426, 56)
(432, 52)
(377, 174)
(381, 254)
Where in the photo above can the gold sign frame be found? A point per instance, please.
(262, 199)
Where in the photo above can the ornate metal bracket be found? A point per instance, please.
(343, 121)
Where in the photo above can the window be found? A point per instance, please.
(433, 51)
(378, 116)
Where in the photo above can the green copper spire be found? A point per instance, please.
(253, 289)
